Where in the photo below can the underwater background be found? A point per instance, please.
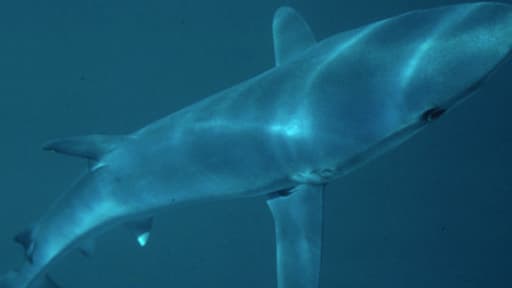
(434, 213)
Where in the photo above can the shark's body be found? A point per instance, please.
(325, 109)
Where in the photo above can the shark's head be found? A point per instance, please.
(408, 70)
(453, 61)
(391, 78)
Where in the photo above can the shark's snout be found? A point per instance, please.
(484, 38)
(490, 29)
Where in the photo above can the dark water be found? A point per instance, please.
(434, 213)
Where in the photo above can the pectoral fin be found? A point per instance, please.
(298, 225)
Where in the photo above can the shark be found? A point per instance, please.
(324, 109)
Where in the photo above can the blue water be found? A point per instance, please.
(434, 213)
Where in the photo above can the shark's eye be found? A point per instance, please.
(432, 114)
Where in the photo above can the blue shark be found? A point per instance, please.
(326, 108)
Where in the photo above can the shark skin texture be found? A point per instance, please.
(326, 108)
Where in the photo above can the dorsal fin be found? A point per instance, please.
(92, 147)
(292, 35)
